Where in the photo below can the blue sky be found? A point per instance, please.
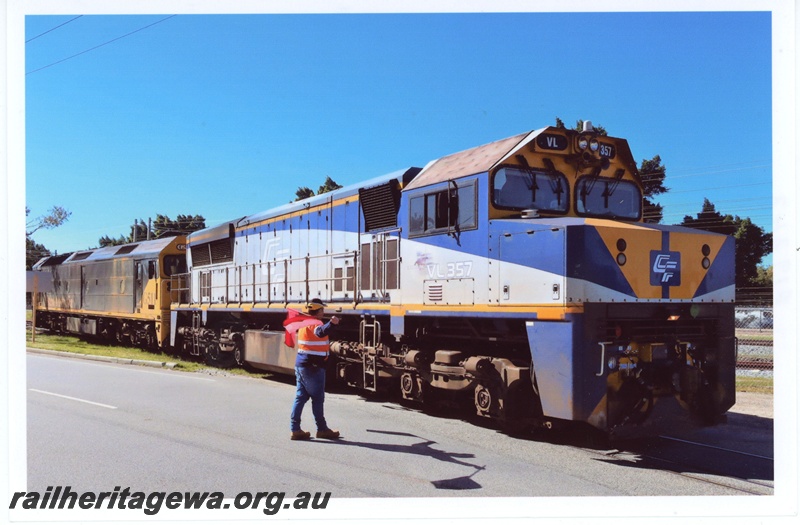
(226, 115)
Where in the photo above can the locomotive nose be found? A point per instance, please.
(658, 262)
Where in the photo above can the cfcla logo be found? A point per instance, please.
(665, 268)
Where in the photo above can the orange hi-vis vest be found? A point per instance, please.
(309, 343)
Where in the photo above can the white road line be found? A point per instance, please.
(72, 398)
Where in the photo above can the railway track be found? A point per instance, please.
(754, 363)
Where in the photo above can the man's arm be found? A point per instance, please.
(324, 330)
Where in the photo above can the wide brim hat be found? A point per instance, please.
(314, 305)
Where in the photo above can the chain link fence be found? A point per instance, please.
(754, 359)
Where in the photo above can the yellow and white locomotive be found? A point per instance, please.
(116, 293)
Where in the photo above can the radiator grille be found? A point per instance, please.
(380, 205)
(214, 252)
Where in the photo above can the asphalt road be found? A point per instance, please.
(96, 426)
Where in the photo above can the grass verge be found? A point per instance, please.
(75, 345)
(756, 385)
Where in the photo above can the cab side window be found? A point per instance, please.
(453, 209)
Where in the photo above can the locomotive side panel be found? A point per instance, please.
(111, 286)
(66, 294)
(529, 266)
(344, 250)
(445, 250)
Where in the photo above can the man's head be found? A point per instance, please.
(314, 307)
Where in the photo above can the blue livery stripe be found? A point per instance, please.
(590, 260)
(722, 272)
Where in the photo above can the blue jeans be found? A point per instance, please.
(310, 385)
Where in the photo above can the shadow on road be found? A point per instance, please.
(422, 448)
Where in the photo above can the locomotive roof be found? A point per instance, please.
(483, 158)
(469, 162)
(136, 250)
(223, 230)
(341, 193)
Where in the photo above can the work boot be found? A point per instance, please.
(328, 434)
(300, 435)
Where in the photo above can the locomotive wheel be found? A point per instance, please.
(483, 399)
(238, 354)
(409, 387)
(212, 353)
(150, 338)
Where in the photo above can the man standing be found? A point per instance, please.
(313, 347)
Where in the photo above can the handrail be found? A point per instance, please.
(233, 280)
(603, 357)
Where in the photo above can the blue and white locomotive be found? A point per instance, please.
(517, 276)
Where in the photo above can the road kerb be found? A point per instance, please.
(107, 359)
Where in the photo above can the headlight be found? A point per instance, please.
(612, 363)
(583, 143)
(594, 145)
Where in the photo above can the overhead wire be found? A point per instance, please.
(100, 45)
(53, 29)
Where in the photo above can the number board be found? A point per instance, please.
(607, 150)
(552, 141)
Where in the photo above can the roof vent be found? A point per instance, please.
(587, 126)
(128, 248)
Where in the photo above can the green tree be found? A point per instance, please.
(329, 185)
(105, 241)
(653, 174)
(752, 242)
(33, 252)
(764, 277)
(304, 192)
(183, 224)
